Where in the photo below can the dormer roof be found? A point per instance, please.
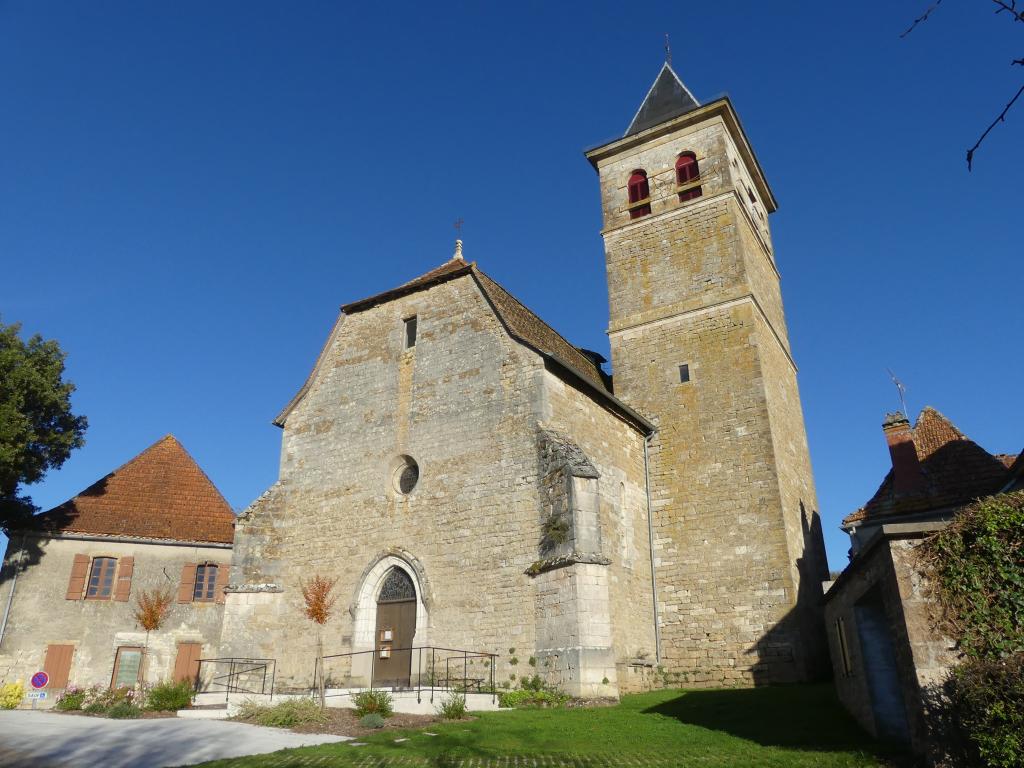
(668, 97)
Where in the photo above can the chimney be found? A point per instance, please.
(906, 468)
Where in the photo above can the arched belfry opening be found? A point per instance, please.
(395, 629)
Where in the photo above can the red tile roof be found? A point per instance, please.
(957, 470)
(160, 494)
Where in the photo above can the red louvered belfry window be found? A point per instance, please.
(638, 190)
(688, 171)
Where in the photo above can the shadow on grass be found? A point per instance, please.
(806, 717)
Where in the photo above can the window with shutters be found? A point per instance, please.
(206, 581)
(639, 191)
(687, 176)
(101, 578)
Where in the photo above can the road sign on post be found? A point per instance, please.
(40, 680)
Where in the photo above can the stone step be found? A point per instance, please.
(211, 713)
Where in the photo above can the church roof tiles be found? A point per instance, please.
(160, 494)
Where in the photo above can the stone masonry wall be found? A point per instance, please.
(462, 403)
(616, 450)
(888, 573)
(694, 283)
(724, 580)
(40, 614)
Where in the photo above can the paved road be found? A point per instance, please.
(51, 740)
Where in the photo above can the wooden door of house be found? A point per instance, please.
(395, 630)
(58, 665)
(186, 664)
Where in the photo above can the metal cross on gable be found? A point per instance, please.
(458, 227)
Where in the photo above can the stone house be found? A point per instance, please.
(71, 579)
(887, 659)
(472, 480)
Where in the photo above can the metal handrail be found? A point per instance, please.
(238, 666)
(461, 654)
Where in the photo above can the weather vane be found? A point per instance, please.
(668, 51)
(902, 392)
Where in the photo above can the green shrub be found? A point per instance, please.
(977, 565)
(168, 696)
(373, 702)
(372, 720)
(453, 707)
(287, 714)
(124, 710)
(72, 699)
(95, 708)
(987, 698)
(11, 695)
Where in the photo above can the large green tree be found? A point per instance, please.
(38, 431)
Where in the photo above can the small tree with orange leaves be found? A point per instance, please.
(151, 609)
(318, 605)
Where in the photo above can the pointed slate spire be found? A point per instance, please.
(667, 98)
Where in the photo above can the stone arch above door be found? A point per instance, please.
(364, 605)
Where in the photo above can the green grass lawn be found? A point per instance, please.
(779, 726)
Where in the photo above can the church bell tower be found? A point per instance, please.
(699, 345)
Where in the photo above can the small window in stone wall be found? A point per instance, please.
(101, 578)
(844, 648)
(684, 373)
(410, 332)
(405, 475)
(206, 579)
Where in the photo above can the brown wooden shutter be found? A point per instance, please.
(186, 665)
(58, 664)
(188, 583)
(223, 572)
(79, 574)
(123, 588)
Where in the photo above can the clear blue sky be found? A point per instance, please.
(188, 191)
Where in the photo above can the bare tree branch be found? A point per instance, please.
(924, 17)
(1000, 119)
(1010, 7)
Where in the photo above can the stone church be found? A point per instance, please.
(472, 480)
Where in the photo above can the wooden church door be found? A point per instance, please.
(396, 626)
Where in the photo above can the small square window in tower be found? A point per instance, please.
(410, 332)
(684, 373)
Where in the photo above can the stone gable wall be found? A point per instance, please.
(463, 405)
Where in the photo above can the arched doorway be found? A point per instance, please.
(395, 629)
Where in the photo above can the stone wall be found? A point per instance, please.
(885, 580)
(615, 449)
(464, 403)
(41, 615)
(695, 284)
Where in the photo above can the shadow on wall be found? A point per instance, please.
(24, 546)
(795, 648)
(795, 717)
